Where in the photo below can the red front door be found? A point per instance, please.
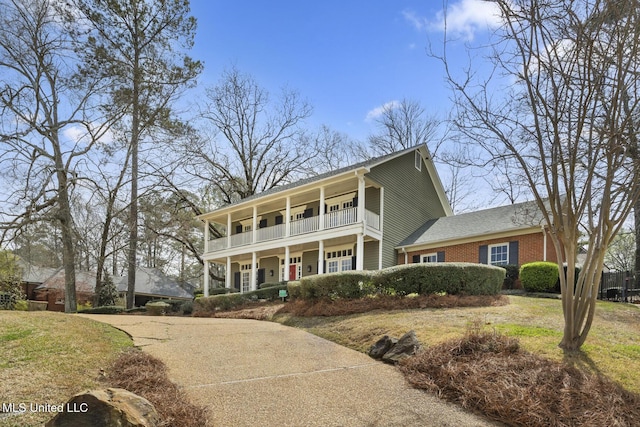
(293, 268)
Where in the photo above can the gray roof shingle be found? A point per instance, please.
(484, 222)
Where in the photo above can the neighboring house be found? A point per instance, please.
(349, 219)
(512, 234)
(52, 289)
(48, 284)
(152, 284)
(34, 276)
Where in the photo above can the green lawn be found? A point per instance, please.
(48, 357)
(612, 348)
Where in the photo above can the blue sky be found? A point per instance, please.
(347, 58)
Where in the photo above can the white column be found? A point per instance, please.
(321, 257)
(206, 236)
(227, 274)
(361, 198)
(322, 212)
(286, 258)
(287, 220)
(228, 230)
(254, 276)
(254, 224)
(379, 254)
(360, 251)
(206, 276)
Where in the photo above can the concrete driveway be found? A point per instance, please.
(249, 373)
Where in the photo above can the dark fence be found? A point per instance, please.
(618, 286)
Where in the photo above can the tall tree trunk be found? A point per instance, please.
(66, 228)
(133, 215)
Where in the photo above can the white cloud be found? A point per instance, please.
(463, 18)
(378, 111)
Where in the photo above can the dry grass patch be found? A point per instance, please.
(612, 347)
(489, 373)
(146, 376)
(48, 357)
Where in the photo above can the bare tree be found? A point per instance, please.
(258, 143)
(403, 125)
(620, 254)
(46, 122)
(568, 75)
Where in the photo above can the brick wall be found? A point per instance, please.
(530, 248)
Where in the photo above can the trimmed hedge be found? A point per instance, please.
(347, 284)
(451, 278)
(272, 284)
(231, 301)
(540, 276)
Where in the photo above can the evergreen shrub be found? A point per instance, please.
(448, 277)
(540, 276)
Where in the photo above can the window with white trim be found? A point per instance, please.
(499, 254)
(429, 258)
(339, 260)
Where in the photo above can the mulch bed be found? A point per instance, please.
(488, 373)
(146, 376)
(342, 307)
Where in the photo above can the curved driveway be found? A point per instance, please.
(250, 372)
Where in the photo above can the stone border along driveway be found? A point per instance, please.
(256, 373)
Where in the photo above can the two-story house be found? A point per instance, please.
(352, 218)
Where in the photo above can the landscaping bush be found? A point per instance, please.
(186, 307)
(272, 284)
(347, 284)
(540, 276)
(294, 288)
(157, 308)
(175, 305)
(110, 309)
(231, 301)
(220, 291)
(449, 277)
(512, 276)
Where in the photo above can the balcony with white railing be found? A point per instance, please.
(329, 221)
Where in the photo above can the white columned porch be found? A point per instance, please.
(206, 273)
(360, 251)
(206, 236)
(321, 256)
(287, 221)
(228, 230)
(254, 225)
(285, 276)
(322, 212)
(227, 274)
(360, 199)
(254, 277)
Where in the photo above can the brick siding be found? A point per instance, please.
(530, 248)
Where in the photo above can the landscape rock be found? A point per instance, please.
(111, 407)
(406, 346)
(382, 346)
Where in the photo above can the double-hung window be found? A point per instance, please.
(430, 258)
(499, 254)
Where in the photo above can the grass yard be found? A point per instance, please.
(612, 347)
(48, 357)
